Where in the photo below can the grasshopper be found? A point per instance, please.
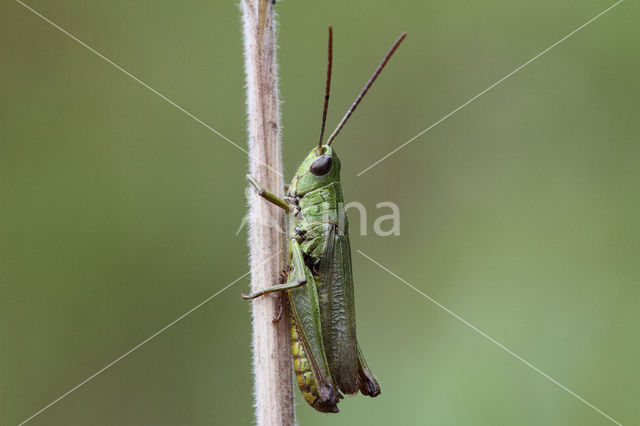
(317, 287)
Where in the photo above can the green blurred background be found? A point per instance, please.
(118, 212)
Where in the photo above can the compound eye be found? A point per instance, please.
(321, 166)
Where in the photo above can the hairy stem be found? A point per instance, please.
(273, 386)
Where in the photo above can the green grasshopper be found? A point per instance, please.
(318, 282)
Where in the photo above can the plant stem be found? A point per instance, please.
(272, 369)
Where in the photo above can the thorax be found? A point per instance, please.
(314, 214)
(324, 204)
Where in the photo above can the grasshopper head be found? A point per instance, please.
(320, 168)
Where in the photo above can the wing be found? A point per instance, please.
(337, 311)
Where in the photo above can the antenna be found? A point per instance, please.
(375, 75)
(327, 88)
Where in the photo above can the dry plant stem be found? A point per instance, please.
(272, 368)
